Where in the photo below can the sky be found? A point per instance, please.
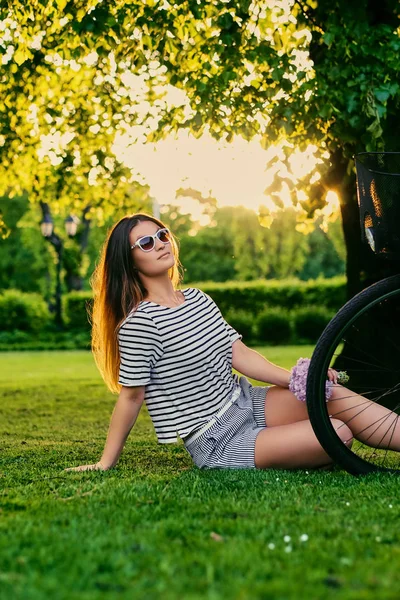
(235, 173)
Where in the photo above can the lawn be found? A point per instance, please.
(156, 527)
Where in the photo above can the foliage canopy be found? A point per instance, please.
(77, 74)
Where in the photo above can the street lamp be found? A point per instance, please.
(47, 225)
(71, 225)
(47, 228)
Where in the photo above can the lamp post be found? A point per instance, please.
(71, 225)
(47, 228)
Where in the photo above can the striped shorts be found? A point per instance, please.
(230, 441)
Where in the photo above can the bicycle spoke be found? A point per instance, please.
(378, 446)
(364, 393)
(356, 415)
(390, 441)
(350, 408)
(383, 419)
(382, 368)
(377, 363)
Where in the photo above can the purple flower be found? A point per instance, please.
(298, 380)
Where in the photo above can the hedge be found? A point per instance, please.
(236, 297)
(243, 322)
(271, 312)
(310, 321)
(76, 306)
(255, 296)
(274, 326)
(23, 311)
(62, 340)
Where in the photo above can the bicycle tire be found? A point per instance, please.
(380, 301)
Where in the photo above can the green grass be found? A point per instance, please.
(157, 527)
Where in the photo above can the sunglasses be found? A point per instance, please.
(148, 242)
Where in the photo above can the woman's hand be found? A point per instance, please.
(332, 375)
(96, 467)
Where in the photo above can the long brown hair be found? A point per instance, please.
(117, 290)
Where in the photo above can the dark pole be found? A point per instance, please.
(57, 243)
(58, 312)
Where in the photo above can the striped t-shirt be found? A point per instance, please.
(183, 357)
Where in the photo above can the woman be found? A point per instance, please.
(173, 349)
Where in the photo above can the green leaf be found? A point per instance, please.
(382, 94)
(375, 129)
(21, 55)
(328, 38)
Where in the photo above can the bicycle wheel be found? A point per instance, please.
(364, 340)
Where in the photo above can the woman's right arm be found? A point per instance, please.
(124, 417)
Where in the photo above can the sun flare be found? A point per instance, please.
(234, 173)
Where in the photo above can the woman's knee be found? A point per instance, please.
(343, 431)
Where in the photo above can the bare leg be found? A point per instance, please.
(282, 407)
(294, 446)
(289, 441)
(370, 423)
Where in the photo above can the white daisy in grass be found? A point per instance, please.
(287, 538)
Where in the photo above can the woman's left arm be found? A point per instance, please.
(252, 364)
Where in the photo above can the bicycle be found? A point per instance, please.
(364, 336)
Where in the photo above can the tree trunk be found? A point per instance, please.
(345, 186)
(352, 238)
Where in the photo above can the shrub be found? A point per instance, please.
(237, 299)
(76, 305)
(23, 311)
(273, 326)
(61, 340)
(310, 321)
(255, 296)
(14, 337)
(242, 321)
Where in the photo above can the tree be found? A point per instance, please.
(59, 111)
(284, 248)
(25, 260)
(206, 252)
(322, 259)
(242, 67)
(78, 265)
(350, 104)
(237, 246)
(71, 75)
